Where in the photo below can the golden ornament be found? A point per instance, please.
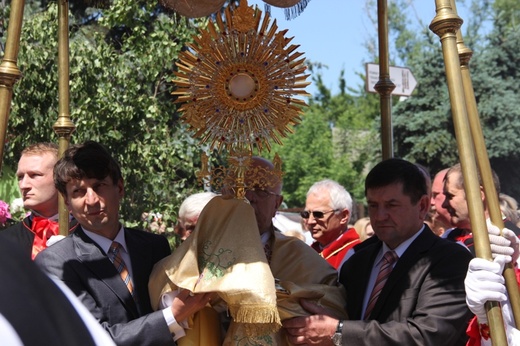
(238, 82)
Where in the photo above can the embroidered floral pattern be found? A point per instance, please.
(263, 340)
(215, 264)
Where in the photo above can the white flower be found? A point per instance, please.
(17, 206)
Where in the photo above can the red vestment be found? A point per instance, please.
(335, 251)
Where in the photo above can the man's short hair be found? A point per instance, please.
(88, 160)
(459, 183)
(40, 148)
(339, 197)
(394, 171)
(193, 205)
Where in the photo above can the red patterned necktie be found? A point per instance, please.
(43, 229)
(384, 272)
(114, 254)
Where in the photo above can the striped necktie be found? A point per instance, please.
(114, 254)
(384, 272)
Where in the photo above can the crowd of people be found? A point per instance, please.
(405, 274)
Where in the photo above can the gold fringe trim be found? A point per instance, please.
(257, 319)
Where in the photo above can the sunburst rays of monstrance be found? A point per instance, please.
(238, 84)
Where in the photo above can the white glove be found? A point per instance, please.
(484, 282)
(54, 239)
(506, 244)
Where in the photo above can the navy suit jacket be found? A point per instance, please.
(85, 268)
(423, 301)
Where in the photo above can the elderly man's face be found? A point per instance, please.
(265, 200)
(265, 203)
(325, 229)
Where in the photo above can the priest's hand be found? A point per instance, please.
(186, 304)
(316, 329)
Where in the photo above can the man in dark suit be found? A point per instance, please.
(404, 288)
(105, 264)
(35, 181)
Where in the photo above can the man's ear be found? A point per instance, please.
(121, 187)
(279, 200)
(424, 204)
(345, 216)
(482, 194)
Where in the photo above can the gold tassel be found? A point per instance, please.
(257, 320)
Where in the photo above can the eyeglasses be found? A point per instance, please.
(316, 214)
(262, 194)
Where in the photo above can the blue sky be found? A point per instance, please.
(332, 32)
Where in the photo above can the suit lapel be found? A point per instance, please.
(141, 267)
(360, 276)
(402, 268)
(91, 255)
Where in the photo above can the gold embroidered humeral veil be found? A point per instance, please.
(225, 255)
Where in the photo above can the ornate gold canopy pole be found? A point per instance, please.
(385, 85)
(446, 24)
(63, 126)
(485, 169)
(9, 72)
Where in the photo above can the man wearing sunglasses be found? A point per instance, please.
(406, 287)
(326, 215)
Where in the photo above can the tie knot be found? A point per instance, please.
(390, 257)
(114, 248)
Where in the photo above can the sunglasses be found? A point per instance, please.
(262, 194)
(316, 214)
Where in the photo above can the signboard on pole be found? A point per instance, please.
(402, 77)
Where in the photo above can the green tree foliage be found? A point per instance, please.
(508, 12)
(335, 140)
(307, 155)
(423, 130)
(496, 88)
(9, 186)
(121, 67)
(423, 125)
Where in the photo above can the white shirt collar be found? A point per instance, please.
(265, 237)
(401, 248)
(104, 242)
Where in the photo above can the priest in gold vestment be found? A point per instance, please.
(258, 273)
